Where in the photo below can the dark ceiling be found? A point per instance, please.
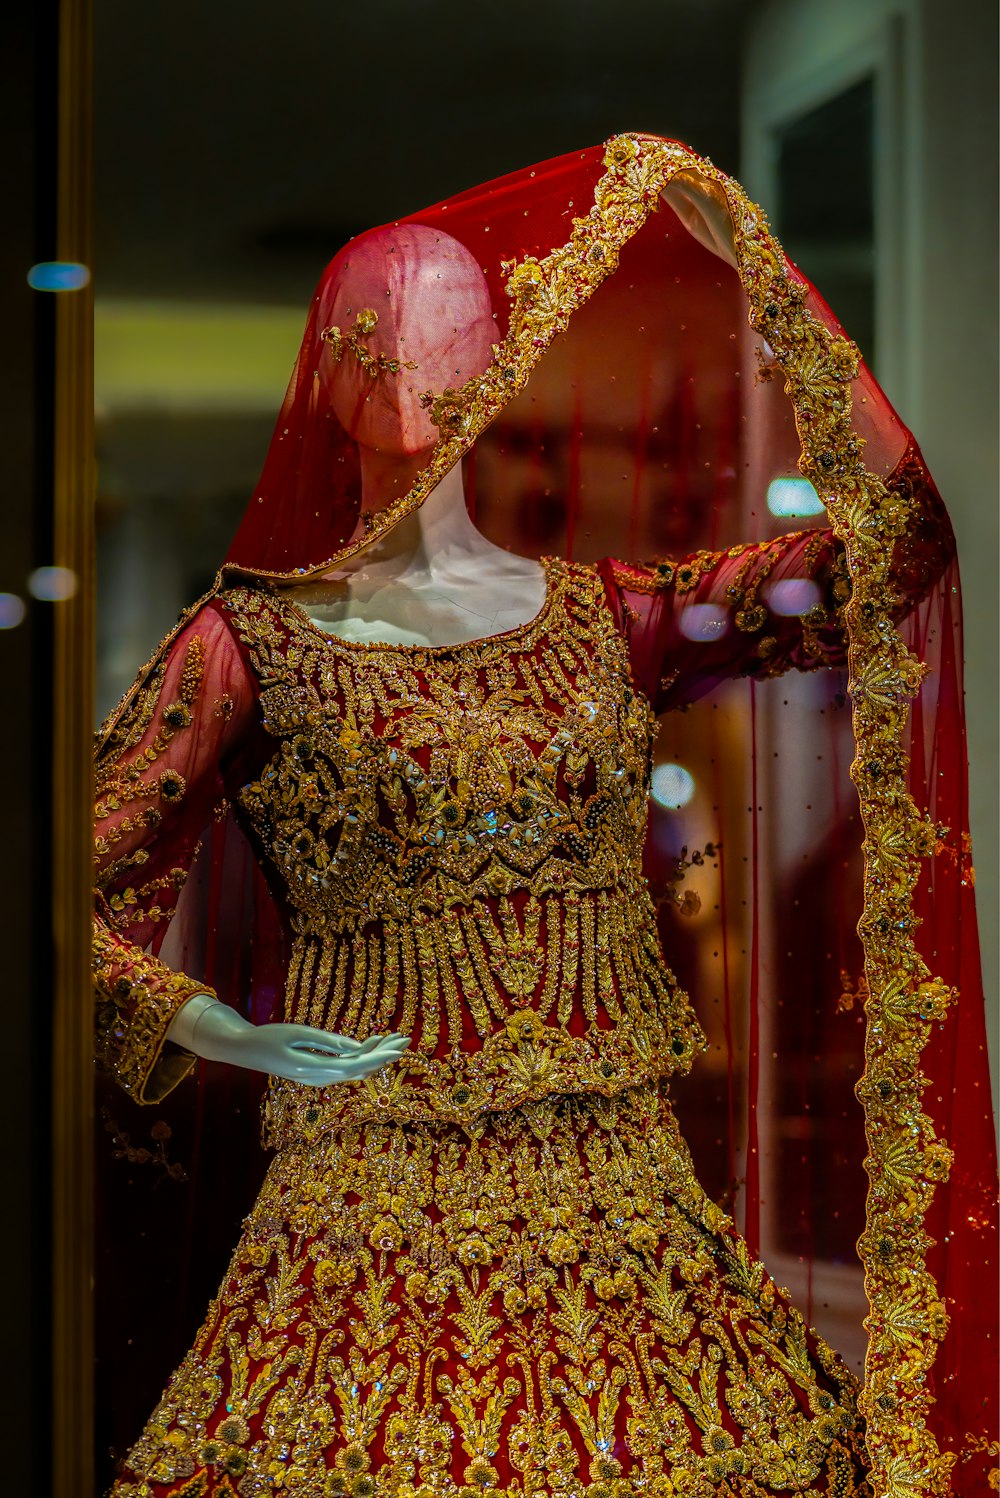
(239, 144)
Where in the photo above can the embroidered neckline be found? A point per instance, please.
(524, 635)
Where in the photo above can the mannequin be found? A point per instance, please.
(442, 768)
(434, 579)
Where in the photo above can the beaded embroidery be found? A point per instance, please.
(412, 1309)
(460, 833)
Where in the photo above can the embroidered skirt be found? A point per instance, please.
(546, 1303)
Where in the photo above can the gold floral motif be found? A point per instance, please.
(155, 1154)
(408, 1310)
(137, 999)
(984, 1447)
(374, 365)
(120, 782)
(511, 1068)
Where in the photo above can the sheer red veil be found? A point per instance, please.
(635, 371)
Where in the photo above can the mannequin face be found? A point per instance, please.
(434, 312)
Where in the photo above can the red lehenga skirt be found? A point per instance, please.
(546, 1304)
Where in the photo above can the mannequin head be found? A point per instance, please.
(434, 317)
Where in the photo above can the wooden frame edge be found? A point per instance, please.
(72, 685)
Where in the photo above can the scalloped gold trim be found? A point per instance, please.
(905, 1161)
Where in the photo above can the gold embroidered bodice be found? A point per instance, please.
(458, 831)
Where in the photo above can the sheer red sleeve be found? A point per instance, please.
(762, 609)
(754, 610)
(162, 774)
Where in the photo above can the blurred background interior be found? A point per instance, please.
(239, 145)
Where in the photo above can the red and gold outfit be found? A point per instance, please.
(491, 1268)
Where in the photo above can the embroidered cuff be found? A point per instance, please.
(137, 998)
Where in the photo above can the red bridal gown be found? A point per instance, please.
(489, 1269)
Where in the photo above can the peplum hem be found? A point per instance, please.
(524, 1063)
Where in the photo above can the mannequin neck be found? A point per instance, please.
(437, 533)
(433, 579)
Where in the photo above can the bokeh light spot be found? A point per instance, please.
(11, 610)
(672, 786)
(704, 621)
(52, 584)
(58, 275)
(792, 595)
(790, 496)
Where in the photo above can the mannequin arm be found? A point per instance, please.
(754, 610)
(210, 1029)
(161, 776)
(768, 607)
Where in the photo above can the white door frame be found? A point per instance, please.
(783, 83)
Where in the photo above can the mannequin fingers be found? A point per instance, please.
(392, 1041)
(387, 1046)
(374, 1041)
(320, 1071)
(368, 1061)
(307, 1038)
(366, 1066)
(341, 1068)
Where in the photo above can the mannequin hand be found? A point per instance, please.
(301, 1054)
